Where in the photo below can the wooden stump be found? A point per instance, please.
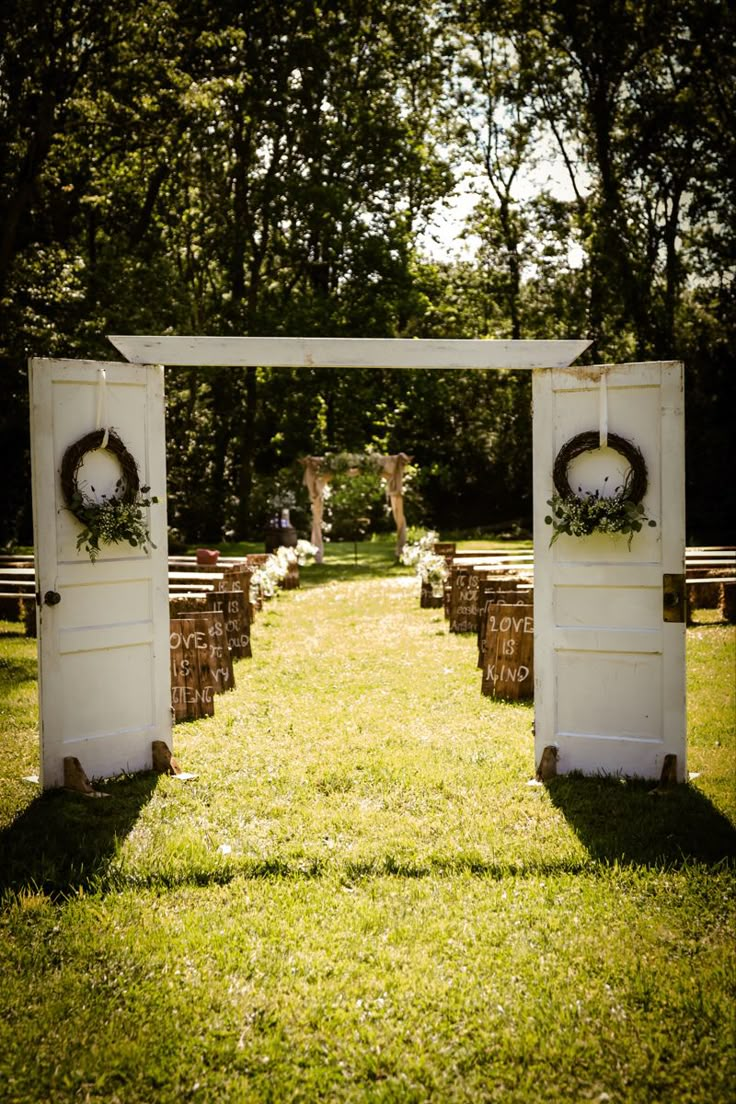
(192, 676)
(508, 670)
(291, 582)
(445, 549)
(728, 602)
(428, 600)
(235, 609)
(28, 615)
(236, 577)
(187, 605)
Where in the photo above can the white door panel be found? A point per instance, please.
(609, 670)
(103, 649)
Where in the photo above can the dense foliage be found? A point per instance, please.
(170, 166)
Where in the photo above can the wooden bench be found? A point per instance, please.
(710, 576)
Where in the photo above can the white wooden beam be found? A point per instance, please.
(352, 352)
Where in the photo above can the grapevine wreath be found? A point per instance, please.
(114, 519)
(579, 514)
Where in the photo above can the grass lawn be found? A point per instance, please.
(359, 898)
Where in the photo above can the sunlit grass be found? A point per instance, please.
(359, 898)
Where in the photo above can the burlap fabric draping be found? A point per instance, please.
(393, 472)
(315, 481)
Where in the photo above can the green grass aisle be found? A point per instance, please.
(359, 898)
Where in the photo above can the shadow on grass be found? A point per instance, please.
(64, 841)
(17, 669)
(345, 562)
(625, 821)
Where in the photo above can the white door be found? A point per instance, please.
(103, 627)
(610, 624)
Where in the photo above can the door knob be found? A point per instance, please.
(51, 598)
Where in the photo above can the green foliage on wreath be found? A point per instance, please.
(590, 512)
(112, 521)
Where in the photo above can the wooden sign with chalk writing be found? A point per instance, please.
(235, 608)
(466, 594)
(192, 677)
(492, 592)
(236, 577)
(508, 669)
(464, 590)
(221, 661)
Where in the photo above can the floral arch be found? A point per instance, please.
(320, 470)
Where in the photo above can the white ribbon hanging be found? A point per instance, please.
(102, 406)
(603, 411)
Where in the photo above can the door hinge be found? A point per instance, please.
(673, 598)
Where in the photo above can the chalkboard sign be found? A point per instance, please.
(235, 608)
(508, 668)
(192, 673)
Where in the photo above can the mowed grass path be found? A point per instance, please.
(359, 898)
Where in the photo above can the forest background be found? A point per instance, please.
(369, 168)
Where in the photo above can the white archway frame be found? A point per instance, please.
(607, 621)
(338, 352)
(345, 352)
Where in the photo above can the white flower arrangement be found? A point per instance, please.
(285, 557)
(305, 552)
(276, 568)
(431, 568)
(416, 551)
(260, 585)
